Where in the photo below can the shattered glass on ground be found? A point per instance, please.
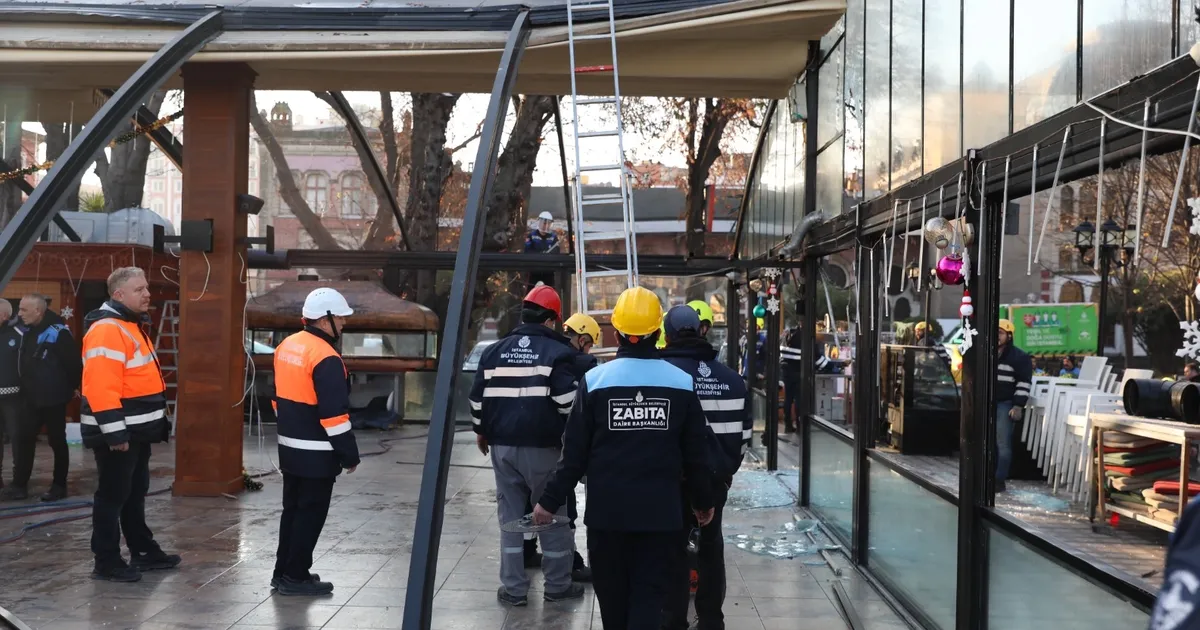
(759, 489)
(1025, 500)
(787, 542)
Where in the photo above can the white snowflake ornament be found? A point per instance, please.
(1194, 204)
(67, 312)
(966, 267)
(1191, 340)
(968, 337)
(773, 305)
(772, 273)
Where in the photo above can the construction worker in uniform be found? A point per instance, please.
(312, 405)
(523, 391)
(582, 331)
(705, 313)
(123, 412)
(722, 394)
(542, 240)
(635, 431)
(1014, 375)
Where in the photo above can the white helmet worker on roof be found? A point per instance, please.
(542, 239)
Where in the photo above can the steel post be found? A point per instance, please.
(808, 372)
(422, 570)
(866, 402)
(978, 403)
(771, 387)
(18, 237)
(733, 322)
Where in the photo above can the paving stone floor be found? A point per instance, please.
(228, 545)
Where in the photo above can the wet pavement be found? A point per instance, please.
(228, 548)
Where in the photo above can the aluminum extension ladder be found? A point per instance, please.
(582, 203)
(166, 345)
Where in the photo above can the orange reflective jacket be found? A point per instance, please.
(312, 404)
(124, 397)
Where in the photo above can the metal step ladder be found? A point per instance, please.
(585, 206)
(166, 347)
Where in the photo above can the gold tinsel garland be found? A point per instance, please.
(138, 130)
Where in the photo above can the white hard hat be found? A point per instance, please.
(546, 216)
(325, 301)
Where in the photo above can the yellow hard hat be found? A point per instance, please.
(703, 310)
(1007, 326)
(761, 323)
(922, 326)
(583, 324)
(638, 312)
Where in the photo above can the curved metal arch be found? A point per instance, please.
(18, 237)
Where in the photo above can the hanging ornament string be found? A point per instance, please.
(123, 138)
(921, 275)
(1100, 189)
(887, 282)
(70, 280)
(1141, 191)
(1062, 152)
(1032, 207)
(904, 260)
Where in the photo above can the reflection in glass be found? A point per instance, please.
(1122, 39)
(907, 153)
(829, 180)
(878, 94)
(943, 124)
(985, 72)
(1044, 54)
(853, 100)
(914, 543)
(831, 489)
(829, 97)
(1028, 591)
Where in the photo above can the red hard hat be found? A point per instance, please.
(547, 298)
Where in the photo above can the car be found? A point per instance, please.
(471, 363)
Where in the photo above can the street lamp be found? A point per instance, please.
(1113, 238)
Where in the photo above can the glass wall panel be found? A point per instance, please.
(914, 541)
(907, 154)
(1029, 591)
(853, 100)
(1122, 39)
(831, 489)
(1189, 29)
(829, 180)
(829, 97)
(1044, 54)
(878, 93)
(943, 119)
(985, 73)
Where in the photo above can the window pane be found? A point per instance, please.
(1044, 56)
(1122, 39)
(985, 73)
(877, 84)
(832, 484)
(853, 99)
(829, 180)
(907, 154)
(1029, 591)
(943, 124)
(914, 542)
(829, 97)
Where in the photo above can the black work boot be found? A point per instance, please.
(154, 561)
(55, 493)
(275, 579)
(574, 591)
(289, 586)
(14, 493)
(580, 572)
(116, 573)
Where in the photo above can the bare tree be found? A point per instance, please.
(57, 139)
(123, 173)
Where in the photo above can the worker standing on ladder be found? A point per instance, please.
(523, 391)
(635, 430)
(722, 394)
(312, 398)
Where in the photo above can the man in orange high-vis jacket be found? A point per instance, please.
(312, 407)
(122, 414)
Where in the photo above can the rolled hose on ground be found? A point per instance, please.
(51, 508)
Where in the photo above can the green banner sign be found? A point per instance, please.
(1053, 329)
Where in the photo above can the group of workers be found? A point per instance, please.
(657, 433)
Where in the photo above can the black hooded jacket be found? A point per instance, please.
(10, 352)
(51, 366)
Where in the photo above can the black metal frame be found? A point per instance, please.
(648, 265)
(422, 570)
(162, 137)
(807, 402)
(771, 387)
(360, 138)
(39, 209)
(866, 407)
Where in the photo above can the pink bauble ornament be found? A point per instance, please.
(966, 310)
(949, 270)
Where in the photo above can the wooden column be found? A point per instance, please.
(216, 132)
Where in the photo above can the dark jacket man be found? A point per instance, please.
(12, 404)
(1014, 376)
(51, 367)
(1178, 605)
